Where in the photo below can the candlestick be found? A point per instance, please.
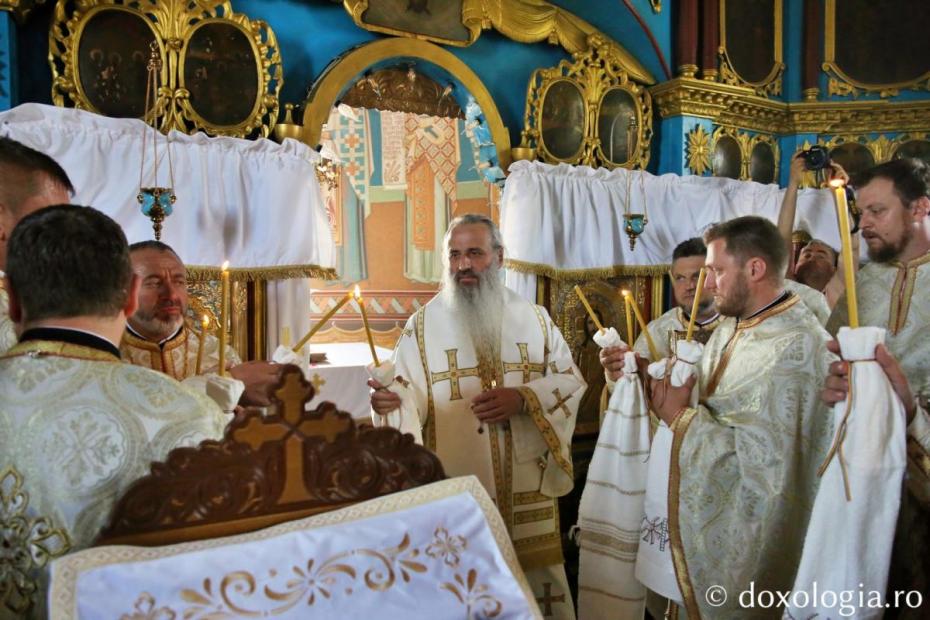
(584, 300)
(322, 322)
(842, 209)
(653, 353)
(371, 342)
(224, 314)
(696, 304)
(204, 326)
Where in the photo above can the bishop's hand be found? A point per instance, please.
(383, 401)
(497, 404)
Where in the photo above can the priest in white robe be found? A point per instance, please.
(490, 385)
(77, 425)
(29, 180)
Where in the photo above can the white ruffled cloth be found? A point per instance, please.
(224, 391)
(654, 567)
(405, 418)
(849, 537)
(611, 509)
(286, 355)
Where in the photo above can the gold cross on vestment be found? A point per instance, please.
(546, 600)
(524, 364)
(454, 374)
(560, 403)
(292, 427)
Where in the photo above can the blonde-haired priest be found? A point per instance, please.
(487, 381)
(78, 425)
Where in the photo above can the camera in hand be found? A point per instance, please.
(816, 157)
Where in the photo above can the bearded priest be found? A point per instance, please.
(491, 386)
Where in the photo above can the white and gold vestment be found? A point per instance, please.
(177, 357)
(77, 427)
(7, 330)
(525, 463)
(744, 462)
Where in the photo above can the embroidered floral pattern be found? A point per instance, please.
(446, 547)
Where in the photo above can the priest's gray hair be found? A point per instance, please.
(497, 242)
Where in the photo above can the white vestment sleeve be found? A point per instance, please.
(409, 384)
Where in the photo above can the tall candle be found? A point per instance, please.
(629, 319)
(322, 322)
(371, 342)
(839, 191)
(204, 326)
(696, 304)
(584, 300)
(653, 353)
(224, 315)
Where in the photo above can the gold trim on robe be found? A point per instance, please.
(177, 357)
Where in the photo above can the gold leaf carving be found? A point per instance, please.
(698, 151)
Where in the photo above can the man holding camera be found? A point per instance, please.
(816, 267)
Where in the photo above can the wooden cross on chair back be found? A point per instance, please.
(268, 469)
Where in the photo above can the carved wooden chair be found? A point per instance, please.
(267, 470)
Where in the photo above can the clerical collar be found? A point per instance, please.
(687, 319)
(71, 335)
(781, 298)
(161, 343)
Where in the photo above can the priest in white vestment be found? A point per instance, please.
(893, 292)
(687, 261)
(29, 180)
(77, 425)
(489, 384)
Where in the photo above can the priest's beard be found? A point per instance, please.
(147, 323)
(479, 309)
(889, 250)
(734, 303)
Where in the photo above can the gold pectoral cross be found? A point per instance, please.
(524, 364)
(453, 374)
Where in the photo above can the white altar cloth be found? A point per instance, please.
(437, 551)
(343, 378)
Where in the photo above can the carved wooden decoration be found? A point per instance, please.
(267, 470)
(403, 90)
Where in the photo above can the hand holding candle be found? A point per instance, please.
(842, 209)
(204, 326)
(653, 353)
(696, 304)
(322, 322)
(224, 314)
(371, 342)
(629, 320)
(584, 300)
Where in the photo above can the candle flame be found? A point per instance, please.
(625, 293)
(837, 182)
(357, 293)
(225, 266)
(205, 321)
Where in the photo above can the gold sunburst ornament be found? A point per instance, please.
(699, 151)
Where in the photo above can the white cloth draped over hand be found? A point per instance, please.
(654, 567)
(852, 525)
(405, 418)
(611, 509)
(571, 217)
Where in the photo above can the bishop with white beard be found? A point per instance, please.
(495, 393)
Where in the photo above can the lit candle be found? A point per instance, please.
(629, 319)
(839, 191)
(371, 343)
(204, 326)
(322, 321)
(224, 315)
(653, 353)
(696, 303)
(587, 306)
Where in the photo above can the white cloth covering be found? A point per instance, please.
(254, 203)
(611, 511)
(849, 538)
(438, 551)
(404, 418)
(224, 391)
(571, 217)
(654, 567)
